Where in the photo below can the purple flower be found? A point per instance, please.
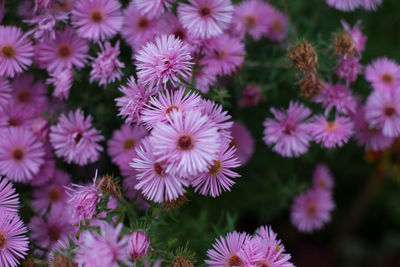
(74, 138)
(242, 141)
(62, 81)
(311, 210)
(357, 35)
(349, 68)
(152, 8)
(383, 74)
(5, 92)
(16, 51)
(45, 25)
(152, 179)
(46, 171)
(277, 25)
(9, 199)
(106, 68)
(322, 178)
(337, 96)
(218, 177)
(205, 18)
(344, 5)
(138, 245)
(331, 133)
(97, 20)
(166, 60)
(21, 154)
(218, 116)
(288, 132)
(251, 96)
(204, 79)
(13, 240)
(370, 4)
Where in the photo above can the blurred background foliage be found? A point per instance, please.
(365, 229)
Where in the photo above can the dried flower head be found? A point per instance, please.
(63, 261)
(345, 45)
(177, 203)
(310, 86)
(304, 57)
(109, 186)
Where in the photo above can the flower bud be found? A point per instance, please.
(138, 245)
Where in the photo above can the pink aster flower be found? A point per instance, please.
(29, 94)
(218, 177)
(277, 25)
(189, 143)
(288, 132)
(205, 18)
(266, 233)
(349, 68)
(153, 181)
(41, 5)
(9, 200)
(62, 81)
(152, 8)
(138, 245)
(225, 55)
(166, 60)
(16, 51)
(40, 127)
(21, 154)
(344, 5)
(121, 146)
(83, 200)
(169, 24)
(225, 250)
(204, 79)
(13, 239)
(337, 96)
(159, 108)
(311, 210)
(97, 20)
(134, 100)
(252, 16)
(251, 96)
(138, 29)
(370, 137)
(54, 228)
(242, 141)
(74, 138)
(218, 116)
(331, 134)
(45, 25)
(67, 50)
(322, 178)
(52, 195)
(383, 74)
(46, 172)
(382, 111)
(108, 241)
(370, 4)
(5, 92)
(16, 116)
(106, 68)
(357, 35)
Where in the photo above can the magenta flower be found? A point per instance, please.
(189, 143)
(5, 92)
(288, 132)
(74, 138)
(370, 4)
(311, 210)
(277, 25)
(349, 68)
(218, 116)
(152, 8)
(344, 5)
(62, 81)
(166, 60)
(138, 245)
(21, 154)
(322, 178)
(159, 108)
(331, 133)
(242, 141)
(383, 74)
(204, 79)
(225, 250)
(9, 198)
(225, 55)
(251, 96)
(97, 20)
(153, 181)
(218, 177)
(67, 50)
(138, 29)
(134, 100)
(205, 18)
(13, 240)
(54, 228)
(357, 35)
(106, 68)
(109, 242)
(16, 116)
(46, 172)
(121, 147)
(16, 51)
(40, 127)
(52, 195)
(382, 111)
(337, 96)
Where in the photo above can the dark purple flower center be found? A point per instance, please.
(64, 50)
(171, 108)
(143, 23)
(96, 16)
(54, 233)
(54, 195)
(185, 142)
(390, 111)
(277, 26)
(387, 78)
(129, 143)
(221, 55)
(64, 5)
(24, 96)
(205, 11)
(158, 168)
(78, 137)
(251, 21)
(13, 122)
(215, 168)
(234, 260)
(18, 154)
(263, 264)
(3, 240)
(289, 129)
(179, 34)
(331, 126)
(311, 208)
(8, 51)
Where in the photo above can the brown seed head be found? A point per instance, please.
(110, 186)
(181, 261)
(310, 86)
(63, 261)
(304, 57)
(29, 262)
(344, 44)
(177, 203)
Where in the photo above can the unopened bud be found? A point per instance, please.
(138, 245)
